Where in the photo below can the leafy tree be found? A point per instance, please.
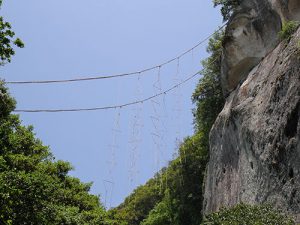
(208, 95)
(227, 7)
(162, 214)
(182, 186)
(34, 188)
(137, 206)
(7, 41)
(248, 215)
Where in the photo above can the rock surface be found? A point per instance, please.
(252, 32)
(255, 141)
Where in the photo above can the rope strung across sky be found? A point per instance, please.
(107, 107)
(139, 72)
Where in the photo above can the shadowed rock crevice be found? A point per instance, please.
(294, 9)
(292, 123)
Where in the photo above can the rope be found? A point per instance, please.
(107, 107)
(118, 75)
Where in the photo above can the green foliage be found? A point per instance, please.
(182, 186)
(208, 95)
(288, 29)
(248, 215)
(35, 189)
(7, 103)
(173, 196)
(7, 41)
(227, 7)
(186, 186)
(162, 214)
(137, 206)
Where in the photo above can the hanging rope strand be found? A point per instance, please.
(136, 136)
(156, 118)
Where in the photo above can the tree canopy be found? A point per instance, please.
(7, 41)
(35, 188)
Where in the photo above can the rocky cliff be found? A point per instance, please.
(255, 141)
(252, 32)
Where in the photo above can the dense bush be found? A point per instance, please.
(248, 215)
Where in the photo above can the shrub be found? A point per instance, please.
(243, 214)
(288, 28)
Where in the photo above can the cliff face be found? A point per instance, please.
(255, 141)
(251, 34)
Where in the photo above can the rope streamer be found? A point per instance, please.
(136, 136)
(109, 187)
(139, 72)
(157, 133)
(178, 116)
(113, 147)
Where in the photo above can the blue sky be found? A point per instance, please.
(66, 39)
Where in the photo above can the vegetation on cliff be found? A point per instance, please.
(288, 28)
(248, 215)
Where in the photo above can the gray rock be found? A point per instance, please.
(287, 9)
(294, 9)
(251, 34)
(255, 141)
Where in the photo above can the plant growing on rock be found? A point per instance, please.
(243, 214)
(288, 29)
